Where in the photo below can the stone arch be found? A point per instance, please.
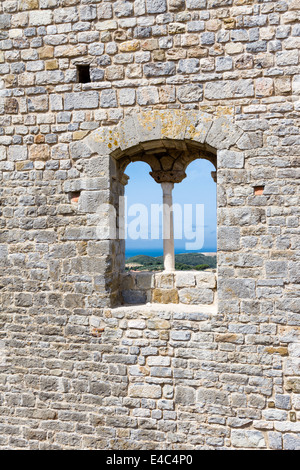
(196, 133)
(212, 132)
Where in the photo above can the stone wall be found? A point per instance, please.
(187, 288)
(213, 78)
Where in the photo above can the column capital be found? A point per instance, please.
(214, 176)
(123, 178)
(170, 176)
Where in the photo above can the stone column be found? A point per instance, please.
(167, 178)
(168, 227)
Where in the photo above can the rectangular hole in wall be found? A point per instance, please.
(258, 190)
(83, 73)
(74, 196)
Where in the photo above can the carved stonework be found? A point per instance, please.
(173, 176)
(214, 176)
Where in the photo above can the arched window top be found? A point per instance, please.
(168, 159)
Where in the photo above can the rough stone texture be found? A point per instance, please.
(189, 287)
(215, 79)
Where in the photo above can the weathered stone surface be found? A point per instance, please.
(237, 288)
(39, 152)
(185, 396)
(156, 6)
(190, 93)
(248, 439)
(145, 391)
(230, 159)
(83, 100)
(229, 89)
(165, 296)
(137, 358)
(39, 18)
(296, 85)
(229, 238)
(17, 153)
(293, 384)
(223, 134)
(196, 296)
(11, 106)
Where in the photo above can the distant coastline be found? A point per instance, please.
(183, 262)
(159, 252)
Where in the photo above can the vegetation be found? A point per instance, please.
(183, 262)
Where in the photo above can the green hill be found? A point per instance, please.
(143, 260)
(193, 259)
(183, 261)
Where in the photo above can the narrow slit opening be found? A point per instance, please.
(83, 73)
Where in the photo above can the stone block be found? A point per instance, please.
(108, 99)
(296, 85)
(134, 296)
(228, 238)
(196, 296)
(223, 134)
(206, 280)
(165, 296)
(275, 440)
(185, 396)
(123, 8)
(190, 93)
(184, 279)
(291, 441)
(38, 103)
(127, 97)
(90, 201)
(17, 153)
(79, 150)
(164, 280)
(264, 87)
(107, 25)
(212, 396)
(247, 439)
(66, 15)
(180, 335)
(221, 90)
(287, 58)
(87, 12)
(144, 391)
(11, 106)
(49, 77)
(188, 66)
(144, 280)
(101, 389)
(159, 69)
(276, 269)
(39, 152)
(236, 288)
(2, 152)
(137, 324)
(40, 17)
(156, 6)
(230, 159)
(293, 384)
(158, 361)
(147, 95)
(5, 21)
(196, 4)
(223, 64)
(81, 100)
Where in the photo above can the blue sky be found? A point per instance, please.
(197, 188)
